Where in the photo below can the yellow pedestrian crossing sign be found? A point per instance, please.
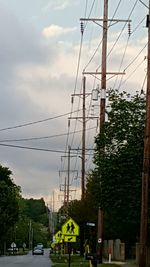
(59, 237)
(52, 245)
(69, 238)
(70, 228)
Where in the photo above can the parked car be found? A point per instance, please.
(37, 251)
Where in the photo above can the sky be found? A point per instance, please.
(42, 57)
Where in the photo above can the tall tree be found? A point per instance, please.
(9, 208)
(115, 183)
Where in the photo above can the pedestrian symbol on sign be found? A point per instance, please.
(70, 228)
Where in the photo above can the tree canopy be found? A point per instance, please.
(115, 183)
(9, 197)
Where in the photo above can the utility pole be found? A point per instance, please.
(83, 143)
(68, 179)
(65, 191)
(102, 121)
(53, 211)
(103, 74)
(146, 163)
(30, 236)
(84, 119)
(67, 184)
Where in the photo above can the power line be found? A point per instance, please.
(101, 39)
(135, 58)
(36, 122)
(143, 3)
(42, 137)
(75, 87)
(35, 148)
(131, 73)
(135, 3)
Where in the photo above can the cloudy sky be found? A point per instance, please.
(40, 47)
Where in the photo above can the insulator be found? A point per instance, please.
(129, 28)
(68, 123)
(72, 100)
(97, 123)
(82, 27)
(147, 21)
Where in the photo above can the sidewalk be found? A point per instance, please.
(124, 263)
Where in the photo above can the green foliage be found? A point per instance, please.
(34, 219)
(9, 196)
(115, 183)
(35, 209)
(75, 260)
(9, 207)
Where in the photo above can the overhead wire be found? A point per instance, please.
(135, 58)
(143, 3)
(121, 63)
(35, 148)
(79, 64)
(130, 34)
(121, 31)
(97, 50)
(117, 39)
(75, 87)
(131, 73)
(102, 38)
(82, 85)
(36, 122)
(92, 6)
(42, 137)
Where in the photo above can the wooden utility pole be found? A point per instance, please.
(68, 179)
(83, 144)
(84, 119)
(102, 121)
(66, 186)
(103, 74)
(146, 163)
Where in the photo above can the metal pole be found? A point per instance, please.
(146, 163)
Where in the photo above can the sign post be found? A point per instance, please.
(13, 246)
(70, 229)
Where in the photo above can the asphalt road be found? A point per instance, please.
(27, 260)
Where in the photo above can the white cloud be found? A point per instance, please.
(56, 5)
(56, 30)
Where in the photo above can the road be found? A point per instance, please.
(26, 260)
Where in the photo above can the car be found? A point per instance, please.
(40, 245)
(37, 251)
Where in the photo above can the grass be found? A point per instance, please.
(76, 261)
(62, 261)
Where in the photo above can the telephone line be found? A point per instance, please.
(43, 137)
(35, 148)
(36, 122)
(120, 32)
